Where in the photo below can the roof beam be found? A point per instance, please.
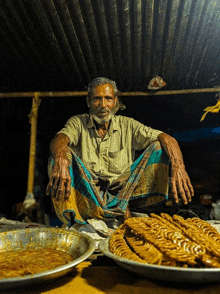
(85, 93)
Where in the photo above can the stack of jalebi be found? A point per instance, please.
(166, 240)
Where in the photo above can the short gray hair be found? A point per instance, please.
(101, 81)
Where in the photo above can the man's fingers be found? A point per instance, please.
(191, 188)
(63, 189)
(181, 185)
(60, 190)
(67, 189)
(50, 186)
(183, 194)
(177, 189)
(54, 187)
(66, 196)
(48, 189)
(188, 192)
(182, 191)
(59, 184)
(174, 191)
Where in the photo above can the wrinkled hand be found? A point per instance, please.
(180, 181)
(59, 183)
(181, 184)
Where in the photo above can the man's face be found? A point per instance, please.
(102, 102)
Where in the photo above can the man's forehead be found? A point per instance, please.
(103, 89)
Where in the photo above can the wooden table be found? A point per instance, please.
(90, 278)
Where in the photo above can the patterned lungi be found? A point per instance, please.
(145, 182)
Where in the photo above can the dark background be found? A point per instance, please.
(200, 146)
(62, 45)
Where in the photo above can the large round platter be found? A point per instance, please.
(78, 245)
(163, 273)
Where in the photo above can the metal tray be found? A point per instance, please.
(78, 245)
(163, 273)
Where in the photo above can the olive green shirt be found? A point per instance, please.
(110, 156)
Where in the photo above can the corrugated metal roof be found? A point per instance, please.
(63, 44)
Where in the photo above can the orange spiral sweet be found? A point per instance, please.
(166, 240)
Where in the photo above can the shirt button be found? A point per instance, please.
(96, 169)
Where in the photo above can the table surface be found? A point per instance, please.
(89, 278)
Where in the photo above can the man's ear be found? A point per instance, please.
(88, 102)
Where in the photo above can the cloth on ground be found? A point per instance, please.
(99, 229)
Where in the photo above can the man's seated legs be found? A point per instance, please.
(145, 183)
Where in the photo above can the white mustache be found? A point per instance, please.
(103, 111)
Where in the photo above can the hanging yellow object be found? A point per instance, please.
(212, 109)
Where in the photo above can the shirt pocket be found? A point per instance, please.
(118, 161)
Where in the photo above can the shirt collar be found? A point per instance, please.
(114, 125)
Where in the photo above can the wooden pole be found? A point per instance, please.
(33, 139)
(85, 93)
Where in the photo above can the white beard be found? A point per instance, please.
(101, 121)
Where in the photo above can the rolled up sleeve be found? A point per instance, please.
(72, 129)
(143, 135)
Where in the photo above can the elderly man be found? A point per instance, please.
(93, 171)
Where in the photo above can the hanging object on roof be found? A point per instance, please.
(212, 109)
(156, 83)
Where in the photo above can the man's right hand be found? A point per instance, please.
(59, 183)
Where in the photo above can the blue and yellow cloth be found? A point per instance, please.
(146, 181)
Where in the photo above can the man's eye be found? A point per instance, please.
(108, 98)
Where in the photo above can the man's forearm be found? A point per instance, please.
(172, 148)
(59, 146)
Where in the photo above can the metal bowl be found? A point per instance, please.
(163, 273)
(78, 245)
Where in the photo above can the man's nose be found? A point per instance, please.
(103, 102)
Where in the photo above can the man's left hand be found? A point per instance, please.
(181, 184)
(180, 181)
